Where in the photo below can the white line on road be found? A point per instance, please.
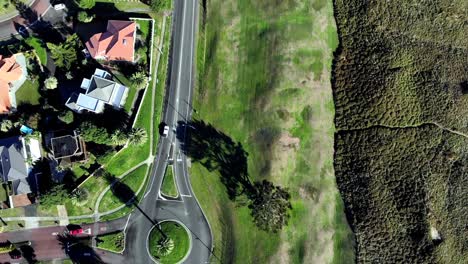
(126, 224)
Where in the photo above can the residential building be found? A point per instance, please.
(116, 44)
(67, 148)
(13, 73)
(15, 170)
(97, 92)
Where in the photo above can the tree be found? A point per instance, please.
(269, 206)
(91, 133)
(84, 17)
(66, 117)
(6, 125)
(139, 80)
(57, 195)
(137, 136)
(69, 75)
(119, 138)
(51, 83)
(86, 4)
(64, 54)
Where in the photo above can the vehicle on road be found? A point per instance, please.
(76, 231)
(164, 129)
(59, 7)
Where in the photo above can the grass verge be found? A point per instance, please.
(114, 242)
(133, 180)
(179, 237)
(168, 187)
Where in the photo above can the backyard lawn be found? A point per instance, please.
(113, 242)
(39, 48)
(168, 187)
(28, 93)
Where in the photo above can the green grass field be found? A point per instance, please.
(39, 48)
(169, 186)
(133, 180)
(113, 242)
(264, 80)
(28, 93)
(179, 236)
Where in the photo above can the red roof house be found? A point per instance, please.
(117, 43)
(11, 77)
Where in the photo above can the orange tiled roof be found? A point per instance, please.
(117, 43)
(10, 71)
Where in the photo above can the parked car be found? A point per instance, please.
(76, 231)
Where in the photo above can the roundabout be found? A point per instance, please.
(168, 242)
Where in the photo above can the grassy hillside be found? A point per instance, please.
(264, 71)
(400, 84)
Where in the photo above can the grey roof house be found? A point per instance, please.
(97, 92)
(14, 169)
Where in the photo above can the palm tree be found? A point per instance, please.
(119, 138)
(139, 80)
(6, 125)
(51, 83)
(137, 136)
(164, 246)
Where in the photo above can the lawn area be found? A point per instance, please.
(180, 239)
(113, 242)
(127, 209)
(12, 212)
(264, 80)
(39, 48)
(12, 226)
(127, 6)
(93, 186)
(133, 180)
(28, 93)
(144, 28)
(168, 187)
(3, 193)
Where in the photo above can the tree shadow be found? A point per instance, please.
(28, 253)
(216, 152)
(78, 249)
(111, 118)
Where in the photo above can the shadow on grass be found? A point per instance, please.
(78, 249)
(217, 152)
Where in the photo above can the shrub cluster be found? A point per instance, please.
(403, 64)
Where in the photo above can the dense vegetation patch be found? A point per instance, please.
(400, 84)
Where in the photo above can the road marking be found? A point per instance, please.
(186, 195)
(126, 224)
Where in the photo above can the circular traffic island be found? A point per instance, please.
(168, 242)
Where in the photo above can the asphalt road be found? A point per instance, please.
(186, 209)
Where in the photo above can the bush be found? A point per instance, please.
(84, 17)
(66, 117)
(51, 83)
